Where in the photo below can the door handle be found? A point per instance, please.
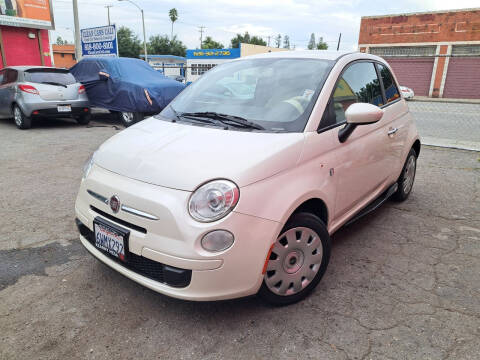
(392, 131)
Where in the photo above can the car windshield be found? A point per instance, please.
(276, 94)
(49, 77)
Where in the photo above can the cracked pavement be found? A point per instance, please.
(403, 282)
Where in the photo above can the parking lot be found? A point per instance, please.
(403, 282)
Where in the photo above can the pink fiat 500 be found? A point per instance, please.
(235, 188)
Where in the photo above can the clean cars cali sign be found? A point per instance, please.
(99, 41)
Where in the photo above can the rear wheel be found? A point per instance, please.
(129, 118)
(298, 260)
(407, 177)
(23, 122)
(83, 119)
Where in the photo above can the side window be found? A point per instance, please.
(358, 83)
(391, 88)
(10, 76)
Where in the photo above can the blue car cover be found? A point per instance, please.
(125, 84)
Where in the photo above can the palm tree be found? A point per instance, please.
(173, 17)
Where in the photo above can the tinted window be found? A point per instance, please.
(358, 83)
(10, 76)
(50, 77)
(391, 89)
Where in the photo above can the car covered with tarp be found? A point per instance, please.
(128, 87)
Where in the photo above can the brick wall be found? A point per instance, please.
(64, 55)
(456, 25)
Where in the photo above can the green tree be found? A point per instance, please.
(173, 14)
(128, 43)
(322, 45)
(60, 41)
(312, 44)
(278, 40)
(162, 45)
(247, 39)
(286, 42)
(209, 43)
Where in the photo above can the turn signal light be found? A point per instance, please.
(81, 89)
(28, 89)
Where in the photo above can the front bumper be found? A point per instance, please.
(174, 239)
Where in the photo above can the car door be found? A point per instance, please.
(396, 109)
(3, 112)
(363, 162)
(8, 91)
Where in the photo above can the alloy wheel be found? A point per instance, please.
(17, 114)
(409, 175)
(294, 262)
(127, 117)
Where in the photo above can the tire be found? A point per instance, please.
(23, 122)
(407, 177)
(129, 118)
(83, 119)
(293, 273)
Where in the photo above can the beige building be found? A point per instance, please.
(251, 49)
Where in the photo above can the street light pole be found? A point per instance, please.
(108, 12)
(143, 23)
(78, 44)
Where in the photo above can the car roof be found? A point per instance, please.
(25, 68)
(303, 54)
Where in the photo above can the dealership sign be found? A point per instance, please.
(99, 41)
(27, 13)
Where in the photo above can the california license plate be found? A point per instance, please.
(110, 238)
(64, 108)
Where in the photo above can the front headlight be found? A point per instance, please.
(88, 166)
(213, 201)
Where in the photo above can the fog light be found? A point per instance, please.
(217, 240)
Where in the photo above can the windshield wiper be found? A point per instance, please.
(186, 115)
(226, 119)
(53, 83)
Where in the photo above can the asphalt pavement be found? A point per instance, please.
(403, 282)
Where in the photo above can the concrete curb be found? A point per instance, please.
(442, 100)
(452, 144)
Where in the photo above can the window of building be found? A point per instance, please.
(62, 55)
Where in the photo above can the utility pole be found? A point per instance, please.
(78, 43)
(143, 24)
(268, 37)
(108, 13)
(339, 38)
(201, 35)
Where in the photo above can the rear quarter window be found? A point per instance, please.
(391, 88)
(50, 77)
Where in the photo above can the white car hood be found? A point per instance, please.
(183, 156)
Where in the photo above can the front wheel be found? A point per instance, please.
(407, 177)
(298, 260)
(23, 122)
(129, 118)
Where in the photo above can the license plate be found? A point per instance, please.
(64, 108)
(111, 239)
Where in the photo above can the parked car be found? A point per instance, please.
(407, 92)
(178, 78)
(29, 92)
(130, 88)
(224, 195)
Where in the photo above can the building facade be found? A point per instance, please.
(167, 64)
(437, 54)
(64, 55)
(24, 26)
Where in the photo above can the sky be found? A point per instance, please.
(223, 19)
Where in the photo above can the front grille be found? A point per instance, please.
(154, 270)
(119, 221)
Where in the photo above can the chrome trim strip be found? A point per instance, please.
(138, 213)
(98, 196)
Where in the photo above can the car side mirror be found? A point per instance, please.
(359, 114)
